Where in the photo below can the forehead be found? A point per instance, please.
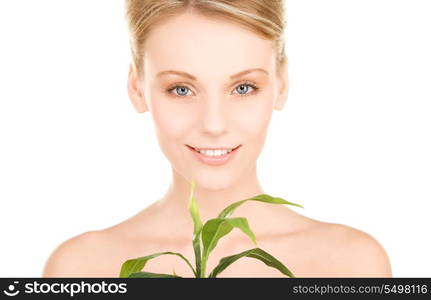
(193, 42)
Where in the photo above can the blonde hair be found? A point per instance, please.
(263, 17)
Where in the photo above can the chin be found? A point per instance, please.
(215, 182)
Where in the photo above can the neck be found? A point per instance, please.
(174, 204)
(210, 202)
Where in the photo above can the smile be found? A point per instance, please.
(214, 156)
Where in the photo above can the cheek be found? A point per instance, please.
(174, 120)
(253, 118)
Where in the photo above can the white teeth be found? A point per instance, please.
(217, 152)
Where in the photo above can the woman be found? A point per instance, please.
(211, 73)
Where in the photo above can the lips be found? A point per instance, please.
(213, 148)
(214, 160)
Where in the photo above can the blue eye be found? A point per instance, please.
(181, 90)
(244, 87)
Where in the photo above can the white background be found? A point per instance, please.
(352, 144)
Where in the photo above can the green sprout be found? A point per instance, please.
(205, 238)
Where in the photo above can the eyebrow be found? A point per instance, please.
(190, 76)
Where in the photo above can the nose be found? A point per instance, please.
(214, 117)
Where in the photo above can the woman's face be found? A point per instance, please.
(208, 105)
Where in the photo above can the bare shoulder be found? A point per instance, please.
(74, 257)
(356, 253)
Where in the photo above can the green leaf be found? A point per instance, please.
(194, 211)
(262, 198)
(137, 264)
(257, 253)
(215, 229)
(143, 274)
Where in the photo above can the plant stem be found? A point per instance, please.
(203, 266)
